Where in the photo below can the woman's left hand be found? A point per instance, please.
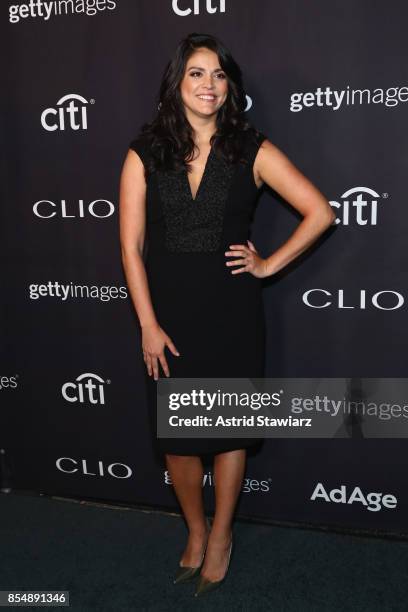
(248, 258)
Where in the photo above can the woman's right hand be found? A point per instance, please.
(154, 339)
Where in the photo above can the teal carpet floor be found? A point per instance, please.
(122, 560)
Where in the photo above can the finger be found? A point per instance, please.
(164, 365)
(237, 262)
(237, 253)
(238, 246)
(244, 269)
(172, 347)
(155, 368)
(149, 365)
(251, 246)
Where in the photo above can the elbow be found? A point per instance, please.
(331, 216)
(323, 219)
(327, 217)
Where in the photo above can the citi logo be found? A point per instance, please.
(358, 205)
(70, 112)
(68, 465)
(199, 6)
(87, 388)
(372, 501)
(383, 300)
(99, 209)
(249, 485)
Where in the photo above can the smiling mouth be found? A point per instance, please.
(207, 98)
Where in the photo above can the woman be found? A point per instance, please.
(189, 185)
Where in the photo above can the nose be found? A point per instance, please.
(208, 82)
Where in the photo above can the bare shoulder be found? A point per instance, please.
(133, 168)
(132, 183)
(134, 159)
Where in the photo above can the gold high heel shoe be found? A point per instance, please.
(204, 585)
(185, 573)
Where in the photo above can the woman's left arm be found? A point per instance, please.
(274, 168)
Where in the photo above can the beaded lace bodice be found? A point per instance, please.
(195, 224)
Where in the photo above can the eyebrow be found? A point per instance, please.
(199, 68)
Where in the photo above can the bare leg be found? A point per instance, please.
(187, 474)
(229, 469)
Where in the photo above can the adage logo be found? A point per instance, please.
(372, 501)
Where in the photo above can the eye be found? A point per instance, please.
(195, 72)
(222, 75)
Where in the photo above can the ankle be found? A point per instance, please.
(199, 531)
(222, 536)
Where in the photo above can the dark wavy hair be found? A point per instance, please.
(169, 135)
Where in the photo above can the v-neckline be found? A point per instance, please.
(201, 180)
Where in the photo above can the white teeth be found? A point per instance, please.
(207, 97)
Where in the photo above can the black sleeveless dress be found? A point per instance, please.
(214, 318)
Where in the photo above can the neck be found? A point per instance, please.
(203, 128)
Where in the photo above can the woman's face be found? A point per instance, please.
(203, 77)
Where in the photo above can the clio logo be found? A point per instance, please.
(70, 111)
(382, 300)
(96, 468)
(86, 388)
(99, 209)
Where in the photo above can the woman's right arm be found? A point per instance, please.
(132, 224)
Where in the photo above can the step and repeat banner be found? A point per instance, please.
(329, 87)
